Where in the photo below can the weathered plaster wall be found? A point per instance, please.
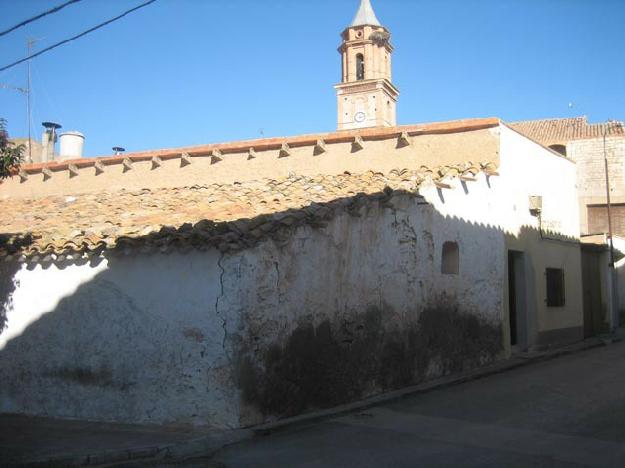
(133, 339)
(361, 306)
(527, 169)
(381, 154)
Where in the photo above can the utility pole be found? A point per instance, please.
(614, 277)
(28, 92)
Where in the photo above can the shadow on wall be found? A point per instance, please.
(7, 286)
(110, 351)
(100, 355)
(7, 278)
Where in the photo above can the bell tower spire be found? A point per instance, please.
(365, 15)
(366, 94)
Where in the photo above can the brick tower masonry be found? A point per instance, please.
(366, 96)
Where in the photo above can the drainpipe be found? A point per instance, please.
(614, 322)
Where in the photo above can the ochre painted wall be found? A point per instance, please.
(378, 155)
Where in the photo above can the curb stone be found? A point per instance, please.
(141, 456)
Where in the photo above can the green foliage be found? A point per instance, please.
(11, 155)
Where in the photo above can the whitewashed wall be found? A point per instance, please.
(312, 302)
(528, 169)
(133, 339)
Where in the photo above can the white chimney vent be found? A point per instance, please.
(72, 145)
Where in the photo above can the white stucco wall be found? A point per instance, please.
(132, 339)
(528, 169)
(385, 259)
(385, 255)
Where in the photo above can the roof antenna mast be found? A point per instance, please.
(30, 42)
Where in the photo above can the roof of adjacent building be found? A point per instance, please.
(229, 217)
(550, 132)
(365, 15)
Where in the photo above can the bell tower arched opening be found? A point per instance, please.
(360, 67)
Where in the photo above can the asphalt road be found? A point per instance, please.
(567, 412)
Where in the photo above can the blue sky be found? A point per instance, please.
(186, 72)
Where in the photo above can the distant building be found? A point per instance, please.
(32, 153)
(583, 142)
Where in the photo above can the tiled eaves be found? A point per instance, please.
(560, 131)
(229, 217)
(266, 144)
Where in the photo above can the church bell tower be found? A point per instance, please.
(366, 94)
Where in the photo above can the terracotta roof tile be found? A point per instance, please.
(227, 216)
(560, 131)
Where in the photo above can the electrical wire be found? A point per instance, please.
(35, 18)
(78, 36)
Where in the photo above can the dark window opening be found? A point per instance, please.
(360, 67)
(559, 149)
(555, 287)
(451, 259)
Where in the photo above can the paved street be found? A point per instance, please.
(568, 412)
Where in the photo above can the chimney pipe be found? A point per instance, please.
(48, 140)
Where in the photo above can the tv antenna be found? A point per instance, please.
(30, 43)
(14, 88)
